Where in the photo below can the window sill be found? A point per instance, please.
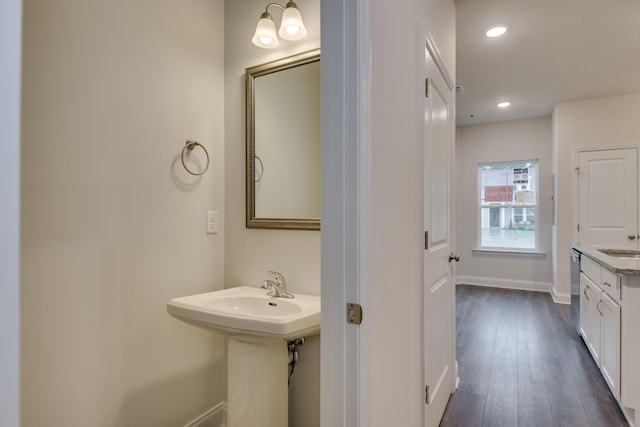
(507, 251)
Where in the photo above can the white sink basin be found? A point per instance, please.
(621, 253)
(249, 312)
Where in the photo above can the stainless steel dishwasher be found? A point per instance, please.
(575, 288)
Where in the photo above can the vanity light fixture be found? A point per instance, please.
(496, 30)
(291, 28)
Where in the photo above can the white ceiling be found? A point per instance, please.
(555, 50)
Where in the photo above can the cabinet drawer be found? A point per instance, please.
(591, 269)
(611, 284)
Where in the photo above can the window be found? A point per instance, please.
(508, 205)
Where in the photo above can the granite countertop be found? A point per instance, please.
(613, 263)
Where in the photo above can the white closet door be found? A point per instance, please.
(608, 198)
(439, 289)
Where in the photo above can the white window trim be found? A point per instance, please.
(507, 249)
(510, 251)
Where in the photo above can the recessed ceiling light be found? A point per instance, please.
(496, 30)
(504, 104)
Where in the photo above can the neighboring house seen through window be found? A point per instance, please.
(508, 205)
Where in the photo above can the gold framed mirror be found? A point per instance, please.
(283, 143)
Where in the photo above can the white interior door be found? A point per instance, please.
(439, 292)
(608, 198)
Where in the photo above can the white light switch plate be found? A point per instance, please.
(212, 222)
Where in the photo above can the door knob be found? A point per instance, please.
(454, 257)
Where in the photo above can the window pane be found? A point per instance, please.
(503, 228)
(494, 220)
(517, 215)
(508, 204)
(508, 183)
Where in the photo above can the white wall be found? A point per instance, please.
(112, 226)
(600, 122)
(394, 311)
(505, 141)
(440, 18)
(250, 253)
(372, 125)
(10, 34)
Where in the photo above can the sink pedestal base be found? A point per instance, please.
(257, 389)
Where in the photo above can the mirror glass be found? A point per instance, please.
(283, 143)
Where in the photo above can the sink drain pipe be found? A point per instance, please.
(293, 346)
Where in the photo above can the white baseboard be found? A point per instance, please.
(457, 376)
(560, 297)
(630, 415)
(214, 417)
(522, 285)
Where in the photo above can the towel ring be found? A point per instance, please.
(190, 145)
(259, 175)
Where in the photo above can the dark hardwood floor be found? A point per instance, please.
(521, 363)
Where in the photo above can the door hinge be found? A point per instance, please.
(354, 313)
(426, 392)
(426, 240)
(578, 227)
(426, 87)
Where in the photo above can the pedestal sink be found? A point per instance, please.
(258, 327)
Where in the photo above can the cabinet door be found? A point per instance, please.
(584, 307)
(608, 198)
(595, 322)
(610, 355)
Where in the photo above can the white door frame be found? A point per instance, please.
(346, 200)
(346, 183)
(10, 54)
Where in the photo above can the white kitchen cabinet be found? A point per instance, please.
(630, 348)
(600, 323)
(610, 349)
(584, 308)
(591, 324)
(617, 305)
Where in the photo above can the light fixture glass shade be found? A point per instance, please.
(292, 27)
(265, 35)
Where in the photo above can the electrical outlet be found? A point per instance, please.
(212, 222)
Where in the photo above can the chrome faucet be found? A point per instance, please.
(277, 286)
(274, 289)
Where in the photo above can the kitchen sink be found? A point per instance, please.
(621, 253)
